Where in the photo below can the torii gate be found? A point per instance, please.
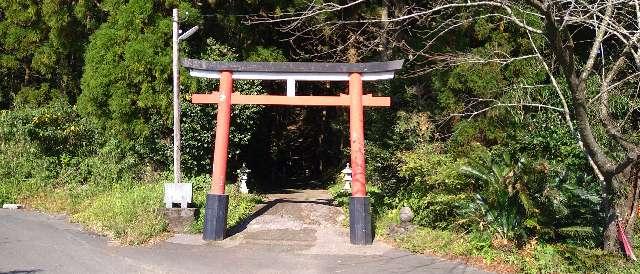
(217, 201)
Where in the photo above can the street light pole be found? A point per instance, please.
(176, 102)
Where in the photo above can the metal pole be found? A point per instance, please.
(356, 130)
(176, 102)
(220, 151)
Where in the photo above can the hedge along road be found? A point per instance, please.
(33, 242)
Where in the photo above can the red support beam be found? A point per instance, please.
(241, 99)
(356, 130)
(220, 150)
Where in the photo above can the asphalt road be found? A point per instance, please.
(36, 243)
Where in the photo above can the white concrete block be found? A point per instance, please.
(181, 193)
(12, 206)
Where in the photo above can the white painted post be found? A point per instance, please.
(291, 87)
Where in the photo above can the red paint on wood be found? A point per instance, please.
(355, 101)
(628, 249)
(356, 130)
(220, 150)
(342, 100)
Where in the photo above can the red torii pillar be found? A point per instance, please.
(215, 221)
(218, 201)
(359, 209)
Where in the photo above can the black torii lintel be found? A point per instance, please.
(293, 67)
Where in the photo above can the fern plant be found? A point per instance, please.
(504, 203)
(520, 200)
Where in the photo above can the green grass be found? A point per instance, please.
(240, 205)
(54, 161)
(131, 215)
(478, 249)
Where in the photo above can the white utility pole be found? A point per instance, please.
(177, 192)
(176, 101)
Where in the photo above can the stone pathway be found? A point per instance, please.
(304, 218)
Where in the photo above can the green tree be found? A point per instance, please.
(199, 121)
(41, 49)
(126, 80)
(595, 94)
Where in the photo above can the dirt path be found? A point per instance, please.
(307, 219)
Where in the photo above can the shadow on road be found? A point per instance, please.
(22, 271)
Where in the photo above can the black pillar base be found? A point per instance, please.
(215, 217)
(360, 221)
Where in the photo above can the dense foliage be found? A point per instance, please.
(86, 116)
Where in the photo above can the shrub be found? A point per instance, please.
(437, 192)
(199, 121)
(23, 170)
(54, 130)
(32, 144)
(521, 199)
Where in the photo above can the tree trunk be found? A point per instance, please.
(27, 73)
(620, 203)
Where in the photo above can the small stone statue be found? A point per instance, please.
(405, 226)
(406, 215)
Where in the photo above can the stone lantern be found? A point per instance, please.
(243, 174)
(347, 178)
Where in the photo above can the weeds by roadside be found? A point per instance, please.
(477, 248)
(480, 248)
(240, 205)
(131, 215)
(56, 162)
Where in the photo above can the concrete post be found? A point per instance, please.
(176, 102)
